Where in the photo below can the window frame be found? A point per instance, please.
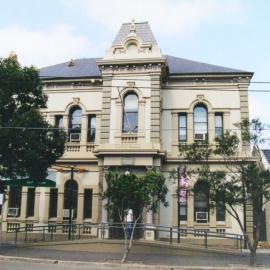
(126, 112)
(182, 114)
(204, 188)
(67, 196)
(196, 122)
(30, 202)
(219, 114)
(72, 127)
(88, 209)
(91, 137)
(53, 203)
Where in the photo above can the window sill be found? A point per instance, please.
(87, 220)
(221, 223)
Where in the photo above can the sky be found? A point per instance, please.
(231, 33)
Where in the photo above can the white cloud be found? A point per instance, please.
(167, 17)
(45, 47)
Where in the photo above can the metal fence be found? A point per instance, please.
(61, 232)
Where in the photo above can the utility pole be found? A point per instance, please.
(70, 202)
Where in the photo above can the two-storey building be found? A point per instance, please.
(130, 110)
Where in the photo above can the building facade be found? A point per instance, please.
(130, 110)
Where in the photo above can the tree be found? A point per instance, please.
(28, 144)
(241, 181)
(130, 191)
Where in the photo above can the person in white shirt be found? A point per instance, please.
(129, 221)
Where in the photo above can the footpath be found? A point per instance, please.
(101, 260)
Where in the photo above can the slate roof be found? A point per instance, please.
(143, 30)
(82, 68)
(184, 66)
(266, 153)
(88, 68)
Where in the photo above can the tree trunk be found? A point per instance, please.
(128, 247)
(252, 258)
(125, 255)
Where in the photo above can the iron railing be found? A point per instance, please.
(59, 232)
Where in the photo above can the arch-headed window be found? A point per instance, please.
(75, 123)
(200, 123)
(130, 113)
(201, 202)
(71, 197)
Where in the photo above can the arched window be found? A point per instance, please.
(201, 202)
(200, 123)
(75, 123)
(71, 197)
(130, 113)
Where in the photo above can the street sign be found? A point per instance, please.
(27, 182)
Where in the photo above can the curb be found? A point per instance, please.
(129, 266)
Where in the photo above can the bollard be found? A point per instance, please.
(170, 235)
(79, 231)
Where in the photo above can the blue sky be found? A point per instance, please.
(232, 33)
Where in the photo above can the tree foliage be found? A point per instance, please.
(28, 144)
(127, 190)
(239, 180)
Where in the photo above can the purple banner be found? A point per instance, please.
(183, 188)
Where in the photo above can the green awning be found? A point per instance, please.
(27, 182)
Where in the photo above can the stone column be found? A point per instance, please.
(80, 208)
(211, 127)
(84, 129)
(149, 217)
(95, 203)
(98, 119)
(175, 132)
(190, 132)
(23, 203)
(4, 213)
(226, 121)
(46, 206)
(118, 121)
(37, 214)
(141, 120)
(60, 205)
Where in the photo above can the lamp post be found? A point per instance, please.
(70, 201)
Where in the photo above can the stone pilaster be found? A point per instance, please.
(60, 205)
(106, 110)
(155, 108)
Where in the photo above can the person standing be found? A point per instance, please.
(129, 221)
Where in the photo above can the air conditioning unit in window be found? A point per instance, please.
(13, 212)
(201, 216)
(66, 213)
(200, 137)
(75, 137)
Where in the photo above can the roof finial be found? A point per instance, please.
(132, 26)
(12, 54)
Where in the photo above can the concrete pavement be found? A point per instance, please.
(135, 261)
